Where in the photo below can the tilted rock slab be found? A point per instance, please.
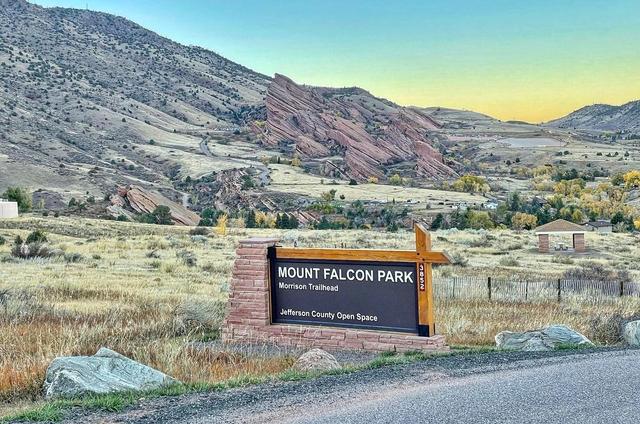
(631, 333)
(367, 132)
(316, 360)
(105, 372)
(145, 201)
(548, 338)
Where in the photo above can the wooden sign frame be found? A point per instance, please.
(423, 257)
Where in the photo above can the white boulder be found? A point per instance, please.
(548, 338)
(106, 371)
(631, 333)
(316, 360)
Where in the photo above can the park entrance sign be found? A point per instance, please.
(376, 295)
(343, 298)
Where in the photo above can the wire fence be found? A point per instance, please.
(530, 289)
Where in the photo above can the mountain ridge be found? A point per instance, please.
(602, 117)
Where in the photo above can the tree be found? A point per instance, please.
(293, 222)
(522, 221)
(250, 219)
(329, 196)
(471, 184)
(208, 217)
(395, 180)
(372, 180)
(437, 222)
(221, 224)
(20, 196)
(162, 215)
(479, 220)
(632, 179)
(296, 161)
(636, 224)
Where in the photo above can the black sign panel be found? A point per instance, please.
(370, 295)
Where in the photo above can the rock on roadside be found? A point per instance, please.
(105, 372)
(548, 338)
(631, 333)
(316, 360)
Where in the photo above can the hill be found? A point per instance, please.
(90, 100)
(601, 117)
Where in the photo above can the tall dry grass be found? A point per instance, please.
(149, 291)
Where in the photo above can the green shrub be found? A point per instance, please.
(37, 236)
(20, 196)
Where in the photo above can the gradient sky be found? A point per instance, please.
(530, 60)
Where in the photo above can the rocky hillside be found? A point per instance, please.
(355, 134)
(602, 117)
(89, 100)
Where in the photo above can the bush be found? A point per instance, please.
(34, 250)
(199, 231)
(458, 258)
(199, 316)
(73, 257)
(3, 241)
(509, 261)
(187, 257)
(37, 236)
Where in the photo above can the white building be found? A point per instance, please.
(8, 209)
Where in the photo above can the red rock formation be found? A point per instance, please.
(145, 201)
(367, 132)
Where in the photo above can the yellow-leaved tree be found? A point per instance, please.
(221, 224)
(523, 221)
(632, 179)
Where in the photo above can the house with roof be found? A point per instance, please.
(561, 227)
(600, 226)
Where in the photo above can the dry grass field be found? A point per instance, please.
(147, 291)
(289, 179)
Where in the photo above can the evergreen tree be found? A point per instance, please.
(438, 222)
(250, 219)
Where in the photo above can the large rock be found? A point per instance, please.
(548, 338)
(106, 371)
(316, 360)
(369, 133)
(631, 333)
(142, 200)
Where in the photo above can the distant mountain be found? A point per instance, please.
(600, 117)
(89, 100)
(355, 134)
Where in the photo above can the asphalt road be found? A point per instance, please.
(559, 387)
(598, 390)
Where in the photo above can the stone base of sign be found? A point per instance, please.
(248, 319)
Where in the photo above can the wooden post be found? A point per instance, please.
(621, 288)
(489, 286)
(559, 291)
(426, 326)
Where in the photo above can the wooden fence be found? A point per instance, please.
(533, 289)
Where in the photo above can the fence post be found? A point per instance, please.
(621, 288)
(526, 290)
(559, 291)
(453, 289)
(489, 286)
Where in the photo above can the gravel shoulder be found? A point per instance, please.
(268, 402)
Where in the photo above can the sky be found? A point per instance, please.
(530, 60)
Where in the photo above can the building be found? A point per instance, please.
(600, 226)
(561, 227)
(8, 209)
